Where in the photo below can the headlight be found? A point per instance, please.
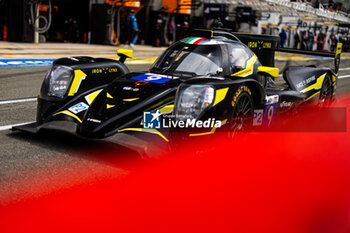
(60, 78)
(193, 100)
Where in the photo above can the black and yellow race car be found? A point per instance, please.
(205, 82)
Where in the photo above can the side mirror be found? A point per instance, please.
(124, 54)
(219, 70)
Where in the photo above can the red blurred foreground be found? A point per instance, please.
(262, 182)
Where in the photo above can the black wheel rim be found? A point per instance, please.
(326, 92)
(242, 114)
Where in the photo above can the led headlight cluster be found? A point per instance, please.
(192, 100)
(60, 78)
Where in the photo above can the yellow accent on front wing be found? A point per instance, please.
(167, 109)
(79, 76)
(154, 131)
(69, 114)
(91, 97)
(220, 95)
(130, 100)
(316, 85)
(249, 68)
(110, 106)
(269, 70)
(109, 96)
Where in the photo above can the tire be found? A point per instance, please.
(326, 93)
(241, 117)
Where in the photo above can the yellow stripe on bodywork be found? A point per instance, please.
(91, 97)
(166, 109)
(79, 76)
(274, 72)
(208, 133)
(317, 93)
(108, 106)
(69, 114)
(205, 133)
(130, 100)
(249, 68)
(220, 95)
(154, 131)
(315, 86)
(109, 96)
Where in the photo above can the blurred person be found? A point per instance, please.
(332, 41)
(304, 39)
(131, 24)
(296, 40)
(320, 41)
(159, 33)
(172, 30)
(184, 29)
(311, 40)
(217, 23)
(283, 37)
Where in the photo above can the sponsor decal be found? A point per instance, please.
(140, 83)
(155, 120)
(195, 40)
(130, 89)
(238, 92)
(94, 120)
(259, 45)
(285, 104)
(306, 82)
(78, 108)
(153, 78)
(104, 70)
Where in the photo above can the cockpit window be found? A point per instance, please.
(190, 58)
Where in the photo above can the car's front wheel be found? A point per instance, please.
(241, 118)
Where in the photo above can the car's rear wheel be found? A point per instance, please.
(325, 98)
(241, 118)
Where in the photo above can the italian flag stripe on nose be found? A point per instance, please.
(194, 40)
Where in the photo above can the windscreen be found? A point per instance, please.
(190, 59)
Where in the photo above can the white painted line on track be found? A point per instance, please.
(17, 101)
(344, 76)
(344, 69)
(7, 127)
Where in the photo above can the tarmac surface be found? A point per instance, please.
(32, 165)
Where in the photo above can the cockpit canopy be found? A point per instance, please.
(211, 56)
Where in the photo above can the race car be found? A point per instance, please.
(211, 78)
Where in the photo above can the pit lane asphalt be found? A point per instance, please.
(32, 165)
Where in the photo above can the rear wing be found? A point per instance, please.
(335, 55)
(264, 46)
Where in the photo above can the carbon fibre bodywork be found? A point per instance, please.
(103, 98)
